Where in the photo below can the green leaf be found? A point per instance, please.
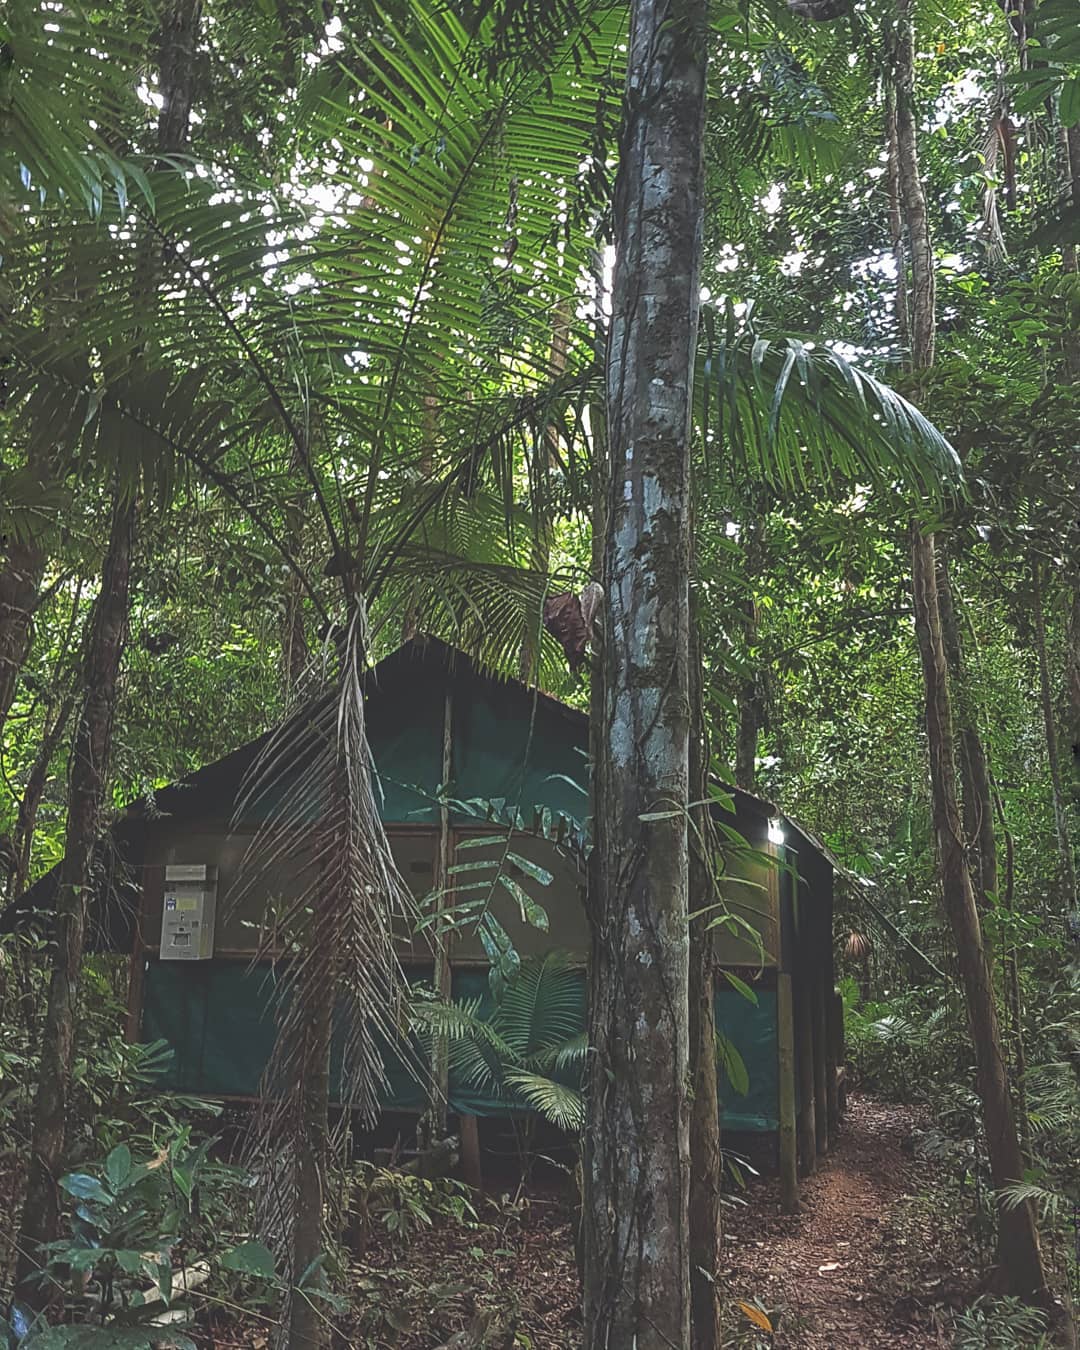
(531, 912)
(85, 1187)
(250, 1258)
(534, 870)
(118, 1166)
(740, 986)
(1070, 102)
(733, 1064)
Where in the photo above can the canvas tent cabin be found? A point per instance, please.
(455, 748)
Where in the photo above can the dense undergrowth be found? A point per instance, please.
(159, 1213)
(913, 1047)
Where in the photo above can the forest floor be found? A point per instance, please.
(871, 1262)
(871, 1259)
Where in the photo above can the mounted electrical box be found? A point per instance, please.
(188, 912)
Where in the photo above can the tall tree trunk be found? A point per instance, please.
(1072, 692)
(1019, 1255)
(636, 1239)
(89, 767)
(749, 698)
(21, 571)
(88, 771)
(1066, 861)
(705, 1157)
(307, 1326)
(977, 794)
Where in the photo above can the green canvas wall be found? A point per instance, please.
(218, 1018)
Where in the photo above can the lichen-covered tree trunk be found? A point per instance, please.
(636, 1239)
(89, 766)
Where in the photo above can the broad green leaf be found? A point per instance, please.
(250, 1258)
(118, 1166)
(85, 1187)
(740, 986)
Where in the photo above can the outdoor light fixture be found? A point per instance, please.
(776, 831)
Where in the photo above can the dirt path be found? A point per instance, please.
(839, 1275)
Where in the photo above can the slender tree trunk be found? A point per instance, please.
(1070, 253)
(636, 1225)
(88, 770)
(705, 1158)
(33, 791)
(55, 728)
(20, 580)
(1019, 1255)
(1066, 861)
(529, 655)
(308, 1327)
(749, 698)
(896, 224)
(978, 799)
(1072, 692)
(89, 767)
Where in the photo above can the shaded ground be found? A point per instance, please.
(868, 1261)
(873, 1259)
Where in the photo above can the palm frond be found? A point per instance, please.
(564, 1106)
(543, 1008)
(798, 415)
(321, 846)
(67, 88)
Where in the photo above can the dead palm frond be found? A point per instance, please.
(320, 850)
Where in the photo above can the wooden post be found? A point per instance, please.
(834, 1056)
(470, 1151)
(137, 968)
(440, 1050)
(785, 1043)
(821, 1105)
(804, 1042)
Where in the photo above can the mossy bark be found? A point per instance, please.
(637, 1165)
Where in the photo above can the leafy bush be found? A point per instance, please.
(402, 1203)
(902, 1049)
(137, 1222)
(1000, 1324)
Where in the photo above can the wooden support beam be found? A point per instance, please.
(821, 1096)
(434, 1126)
(470, 1152)
(785, 1043)
(834, 1017)
(804, 1046)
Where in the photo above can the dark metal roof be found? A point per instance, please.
(185, 798)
